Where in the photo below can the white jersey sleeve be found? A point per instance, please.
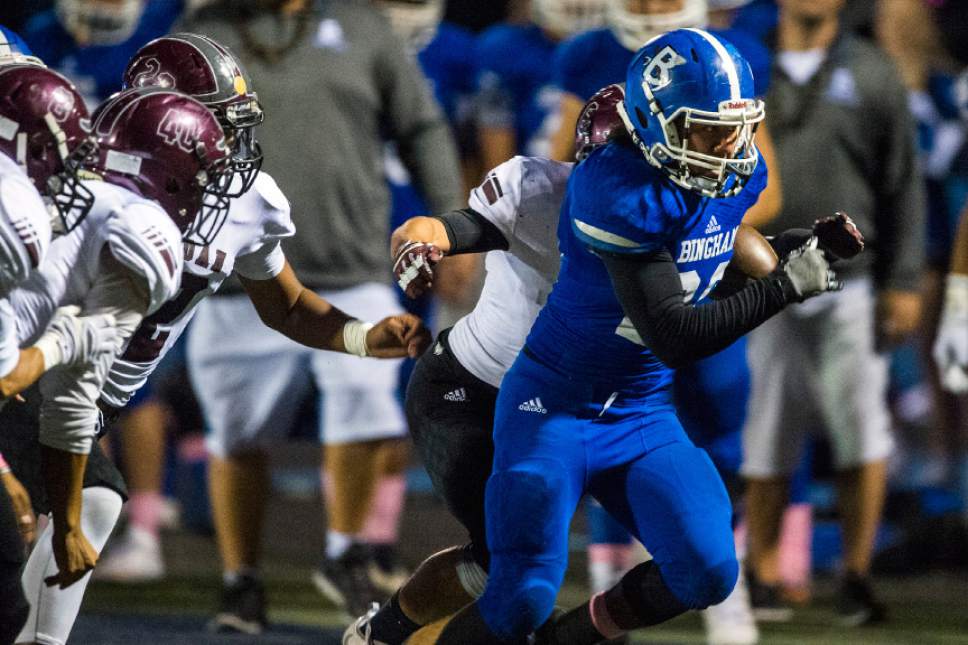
(68, 413)
(144, 239)
(24, 229)
(514, 192)
(9, 347)
(263, 259)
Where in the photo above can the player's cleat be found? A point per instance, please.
(243, 608)
(766, 602)
(856, 604)
(731, 622)
(385, 570)
(136, 557)
(359, 632)
(344, 580)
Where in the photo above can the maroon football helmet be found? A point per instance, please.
(43, 123)
(207, 71)
(168, 147)
(598, 120)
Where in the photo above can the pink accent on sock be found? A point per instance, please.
(796, 535)
(144, 510)
(383, 522)
(617, 555)
(602, 620)
(739, 539)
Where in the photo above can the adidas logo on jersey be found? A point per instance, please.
(457, 395)
(713, 226)
(534, 405)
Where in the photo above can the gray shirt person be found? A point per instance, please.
(336, 83)
(846, 141)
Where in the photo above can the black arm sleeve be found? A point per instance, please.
(471, 232)
(651, 294)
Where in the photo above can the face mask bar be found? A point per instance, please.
(214, 210)
(241, 118)
(70, 199)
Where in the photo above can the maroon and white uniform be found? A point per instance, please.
(125, 258)
(249, 244)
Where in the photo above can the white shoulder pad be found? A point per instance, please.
(143, 238)
(24, 230)
(499, 196)
(275, 209)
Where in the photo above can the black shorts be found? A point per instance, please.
(19, 445)
(451, 417)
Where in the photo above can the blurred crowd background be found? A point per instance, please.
(503, 97)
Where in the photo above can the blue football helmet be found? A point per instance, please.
(685, 78)
(14, 50)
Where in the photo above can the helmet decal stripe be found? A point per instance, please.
(728, 65)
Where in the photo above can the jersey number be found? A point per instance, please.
(690, 284)
(149, 339)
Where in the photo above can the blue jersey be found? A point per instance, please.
(616, 202)
(589, 61)
(516, 89)
(96, 70)
(448, 62)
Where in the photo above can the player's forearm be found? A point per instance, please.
(651, 295)
(314, 322)
(428, 230)
(29, 368)
(64, 480)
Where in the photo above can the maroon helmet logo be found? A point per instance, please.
(61, 103)
(153, 75)
(179, 129)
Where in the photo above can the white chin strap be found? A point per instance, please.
(635, 29)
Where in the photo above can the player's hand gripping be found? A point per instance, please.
(397, 337)
(413, 267)
(838, 236)
(71, 339)
(22, 508)
(950, 350)
(808, 270)
(74, 556)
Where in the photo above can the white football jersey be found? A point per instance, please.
(248, 244)
(522, 198)
(136, 231)
(24, 239)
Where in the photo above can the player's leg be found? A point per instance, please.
(362, 424)
(13, 604)
(673, 500)
(450, 414)
(53, 610)
(783, 369)
(248, 380)
(855, 381)
(538, 478)
(135, 556)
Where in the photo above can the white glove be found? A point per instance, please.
(809, 271)
(950, 350)
(74, 340)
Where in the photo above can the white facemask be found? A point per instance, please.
(96, 22)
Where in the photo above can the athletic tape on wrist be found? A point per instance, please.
(354, 337)
(50, 348)
(956, 295)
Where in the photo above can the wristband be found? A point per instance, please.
(956, 295)
(50, 348)
(354, 337)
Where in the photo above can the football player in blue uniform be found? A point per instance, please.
(518, 102)
(92, 42)
(646, 233)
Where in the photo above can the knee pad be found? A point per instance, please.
(709, 585)
(522, 513)
(513, 611)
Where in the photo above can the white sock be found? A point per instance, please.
(54, 610)
(337, 543)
